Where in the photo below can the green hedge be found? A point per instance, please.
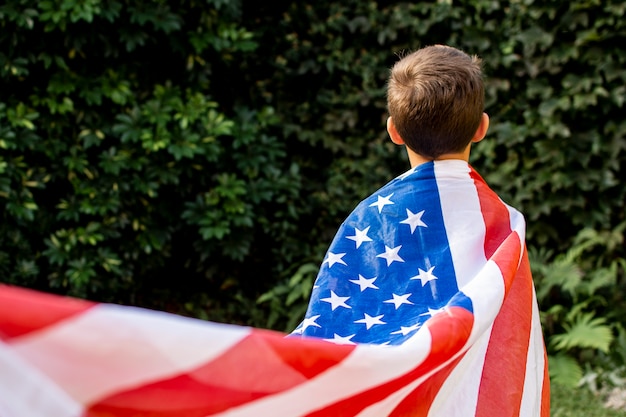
(194, 156)
(128, 172)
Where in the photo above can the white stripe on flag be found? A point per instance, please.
(535, 363)
(384, 407)
(389, 404)
(28, 393)
(487, 294)
(115, 347)
(465, 228)
(518, 224)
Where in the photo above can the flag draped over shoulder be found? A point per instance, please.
(424, 306)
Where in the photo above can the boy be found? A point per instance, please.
(436, 240)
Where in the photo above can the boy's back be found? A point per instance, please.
(391, 265)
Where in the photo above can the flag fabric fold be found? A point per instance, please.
(424, 306)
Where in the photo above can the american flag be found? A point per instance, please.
(424, 306)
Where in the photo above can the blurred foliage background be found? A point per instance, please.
(198, 156)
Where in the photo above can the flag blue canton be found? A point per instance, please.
(388, 269)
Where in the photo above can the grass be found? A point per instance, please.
(578, 402)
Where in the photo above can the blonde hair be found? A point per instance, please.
(436, 97)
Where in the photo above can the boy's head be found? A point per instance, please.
(435, 98)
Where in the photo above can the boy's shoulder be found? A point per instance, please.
(423, 183)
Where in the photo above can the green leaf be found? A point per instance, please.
(586, 331)
(564, 370)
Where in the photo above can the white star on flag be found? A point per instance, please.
(398, 300)
(414, 220)
(309, 322)
(406, 330)
(341, 340)
(391, 255)
(336, 301)
(369, 321)
(365, 283)
(382, 202)
(431, 312)
(334, 258)
(425, 276)
(407, 174)
(360, 236)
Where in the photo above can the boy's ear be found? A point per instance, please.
(393, 133)
(482, 128)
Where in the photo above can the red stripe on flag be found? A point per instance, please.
(545, 390)
(23, 311)
(504, 371)
(309, 356)
(495, 215)
(419, 402)
(507, 257)
(263, 363)
(450, 330)
(502, 381)
(179, 396)
(502, 245)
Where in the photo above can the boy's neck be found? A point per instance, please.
(416, 159)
